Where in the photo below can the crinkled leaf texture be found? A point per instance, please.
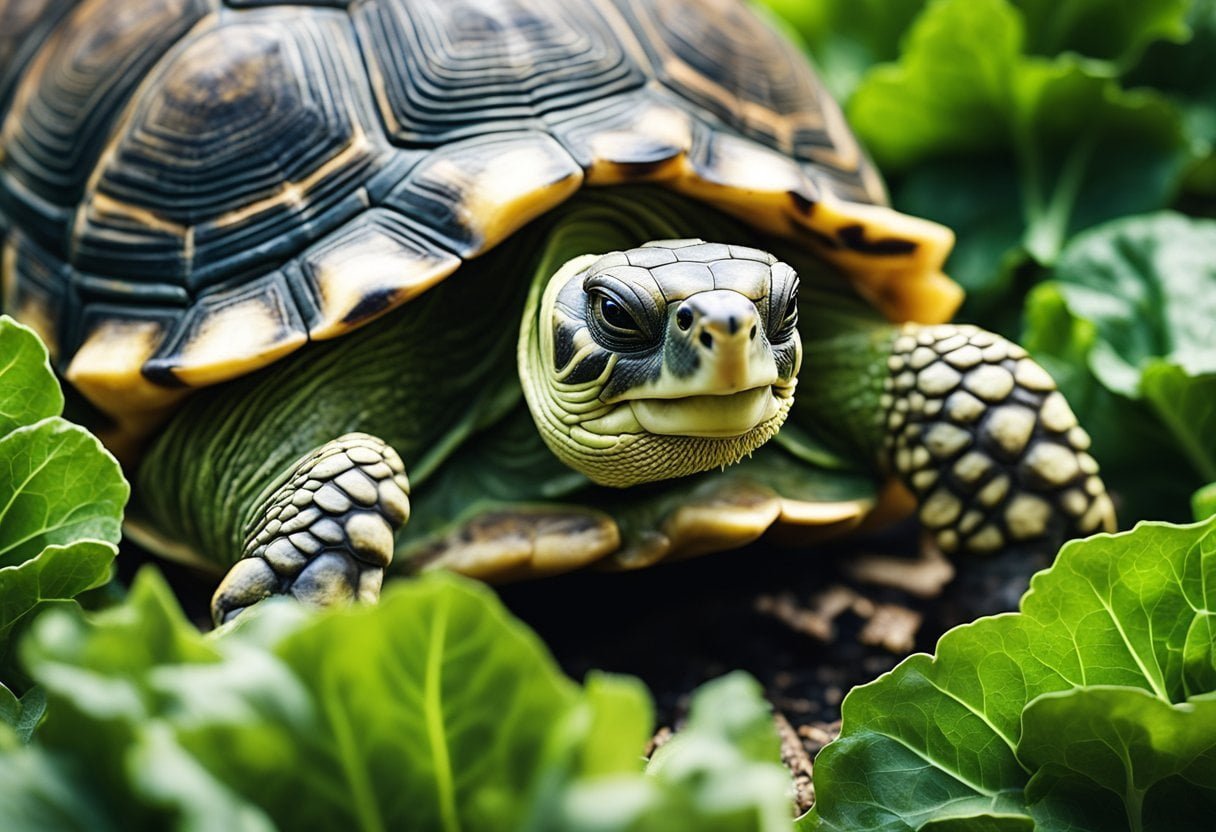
(1126, 322)
(432, 710)
(1016, 150)
(1091, 708)
(61, 493)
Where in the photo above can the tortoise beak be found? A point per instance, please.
(723, 327)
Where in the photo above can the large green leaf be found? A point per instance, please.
(1186, 405)
(474, 695)
(1014, 151)
(1128, 743)
(432, 710)
(57, 486)
(28, 390)
(61, 493)
(1187, 73)
(1125, 322)
(1148, 285)
(951, 90)
(847, 37)
(1116, 31)
(965, 733)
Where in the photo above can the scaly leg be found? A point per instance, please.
(324, 534)
(987, 443)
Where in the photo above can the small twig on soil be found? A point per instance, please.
(798, 761)
(924, 576)
(892, 627)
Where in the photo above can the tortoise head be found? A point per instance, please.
(661, 361)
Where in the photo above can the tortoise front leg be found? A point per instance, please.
(324, 532)
(984, 439)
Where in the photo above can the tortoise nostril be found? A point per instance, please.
(707, 340)
(753, 333)
(684, 318)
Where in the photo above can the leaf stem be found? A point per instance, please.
(433, 699)
(348, 754)
(1047, 224)
(1192, 446)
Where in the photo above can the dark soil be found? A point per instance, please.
(809, 624)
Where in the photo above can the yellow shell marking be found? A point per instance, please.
(235, 340)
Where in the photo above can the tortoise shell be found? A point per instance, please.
(190, 189)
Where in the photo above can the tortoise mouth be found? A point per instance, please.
(711, 416)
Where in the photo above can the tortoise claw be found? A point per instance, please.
(325, 535)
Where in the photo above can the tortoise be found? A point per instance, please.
(569, 260)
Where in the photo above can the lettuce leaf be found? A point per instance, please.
(1092, 707)
(1113, 31)
(1125, 324)
(847, 37)
(61, 493)
(433, 710)
(1186, 72)
(1047, 145)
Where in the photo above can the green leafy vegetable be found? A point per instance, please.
(847, 37)
(1186, 72)
(23, 714)
(432, 710)
(1050, 146)
(1125, 323)
(1116, 31)
(722, 772)
(61, 493)
(1093, 707)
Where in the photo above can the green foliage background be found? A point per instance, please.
(1053, 137)
(1070, 145)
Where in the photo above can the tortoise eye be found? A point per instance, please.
(616, 324)
(615, 315)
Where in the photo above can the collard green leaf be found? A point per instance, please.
(61, 493)
(57, 486)
(847, 37)
(1116, 31)
(22, 714)
(1125, 741)
(28, 390)
(1186, 405)
(1148, 285)
(950, 91)
(1125, 321)
(1016, 151)
(433, 710)
(58, 572)
(466, 694)
(950, 736)
(1089, 151)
